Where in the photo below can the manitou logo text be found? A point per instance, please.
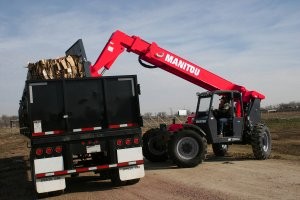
(182, 65)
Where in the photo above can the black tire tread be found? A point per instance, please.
(218, 150)
(187, 163)
(257, 144)
(147, 152)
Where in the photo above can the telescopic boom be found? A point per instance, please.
(159, 57)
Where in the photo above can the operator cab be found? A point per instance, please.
(208, 116)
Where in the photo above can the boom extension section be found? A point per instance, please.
(165, 60)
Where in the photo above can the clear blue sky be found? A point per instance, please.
(252, 43)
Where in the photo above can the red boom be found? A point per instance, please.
(166, 60)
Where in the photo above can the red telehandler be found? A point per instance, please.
(186, 144)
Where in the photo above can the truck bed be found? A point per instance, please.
(72, 106)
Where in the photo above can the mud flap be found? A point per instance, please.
(46, 165)
(129, 155)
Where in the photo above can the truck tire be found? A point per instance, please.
(132, 181)
(220, 149)
(33, 179)
(155, 145)
(115, 178)
(187, 148)
(261, 142)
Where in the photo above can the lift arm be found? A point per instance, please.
(165, 60)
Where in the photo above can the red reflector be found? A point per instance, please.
(49, 150)
(136, 140)
(39, 151)
(87, 129)
(119, 142)
(114, 126)
(128, 141)
(58, 149)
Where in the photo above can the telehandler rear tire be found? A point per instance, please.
(187, 148)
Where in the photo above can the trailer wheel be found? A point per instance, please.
(115, 178)
(187, 148)
(261, 142)
(220, 149)
(155, 145)
(132, 181)
(33, 178)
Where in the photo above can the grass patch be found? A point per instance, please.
(283, 124)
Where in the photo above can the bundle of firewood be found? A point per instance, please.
(64, 67)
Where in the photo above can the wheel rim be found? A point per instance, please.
(265, 142)
(187, 148)
(156, 148)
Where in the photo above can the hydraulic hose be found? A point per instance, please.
(146, 65)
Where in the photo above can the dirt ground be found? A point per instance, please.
(235, 176)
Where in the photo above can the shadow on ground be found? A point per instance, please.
(15, 183)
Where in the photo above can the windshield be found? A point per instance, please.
(204, 104)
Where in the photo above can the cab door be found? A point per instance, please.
(238, 115)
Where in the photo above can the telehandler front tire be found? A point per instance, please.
(261, 142)
(155, 145)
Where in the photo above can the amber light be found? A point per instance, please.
(39, 151)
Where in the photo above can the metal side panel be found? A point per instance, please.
(122, 105)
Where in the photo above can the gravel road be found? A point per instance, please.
(224, 178)
(236, 176)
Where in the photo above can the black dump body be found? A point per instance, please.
(72, 105)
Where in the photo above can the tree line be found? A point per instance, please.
(283, 107)
(8, 121)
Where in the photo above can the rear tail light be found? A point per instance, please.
(119, 142)
(58, 149)
(136, 140)
(128, 141)
(49, 150)
(39, 151)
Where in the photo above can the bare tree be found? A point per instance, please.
(147, 115)
(162, 114)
